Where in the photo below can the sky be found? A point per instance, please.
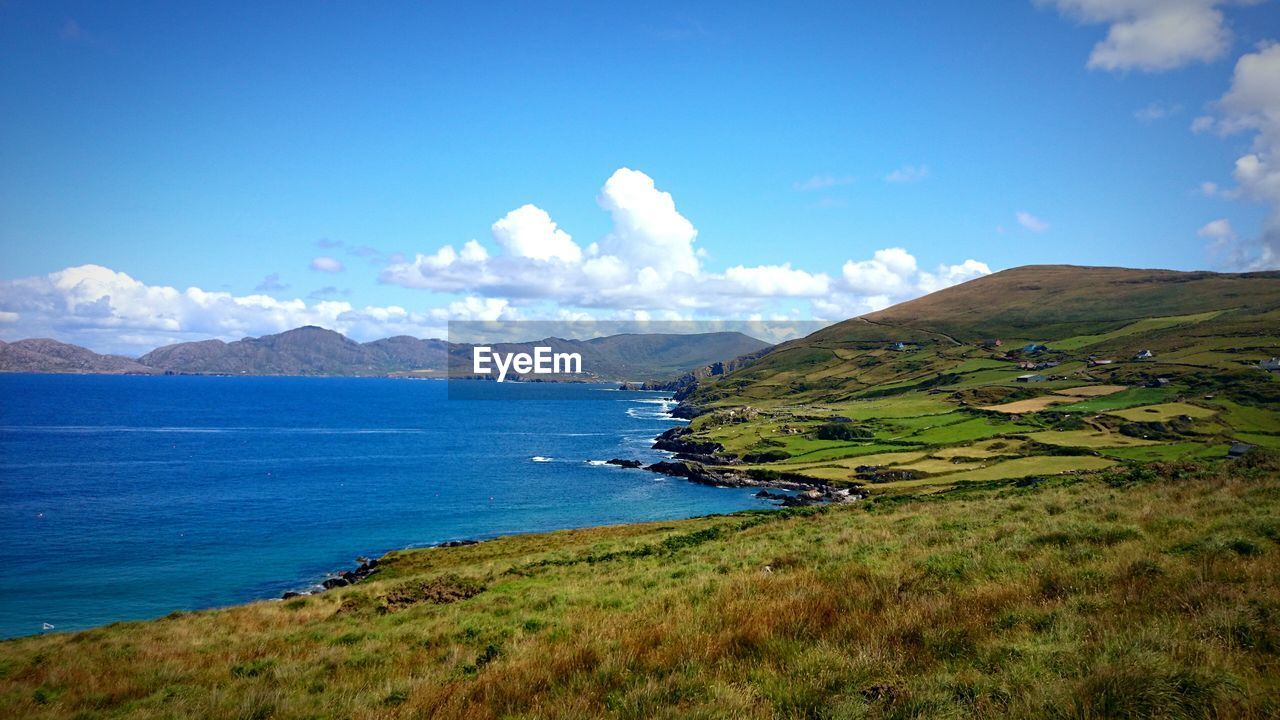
(180, 171)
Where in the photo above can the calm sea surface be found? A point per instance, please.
(130, 497)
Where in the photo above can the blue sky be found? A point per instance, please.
(215, 147)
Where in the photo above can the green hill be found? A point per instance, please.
(1074, 545)
(1127, 594)
(1124, 365)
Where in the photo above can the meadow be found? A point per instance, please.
(1139, 591)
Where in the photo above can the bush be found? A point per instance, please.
(842, 431)
(766, 456)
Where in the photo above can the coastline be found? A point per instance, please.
(693, 462)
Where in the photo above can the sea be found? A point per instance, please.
(130, 497)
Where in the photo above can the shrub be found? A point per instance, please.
(842, 431)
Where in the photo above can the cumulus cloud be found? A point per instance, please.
(111, 311)
(1031, 222)
(529, 232)
(1252, 105)
(908, 174)
(1156, 111)
(648, 231)
(645, 268)
(1217, 229)
(328, 264)
(649, 263)
(777, 281)
(1152, 35)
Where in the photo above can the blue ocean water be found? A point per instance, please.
(130, 497)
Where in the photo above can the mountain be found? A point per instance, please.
(1027, 373)
(306, 350)
(316, 351)
(1097, 311)
(1057, 301)
(44, 355)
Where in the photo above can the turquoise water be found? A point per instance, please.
(130, 497)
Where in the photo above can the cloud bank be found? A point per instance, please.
(649, 261)
(1152, 35)
(1252, 105)
(646, 267)
(1159, 35)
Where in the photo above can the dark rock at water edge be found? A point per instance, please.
(366, 568)
(673, 440)
(720, 476)
(624, 463)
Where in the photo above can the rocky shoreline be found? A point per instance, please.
(366, 567)
(704, 463)
(698, 462)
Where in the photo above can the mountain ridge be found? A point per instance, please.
(313, 350)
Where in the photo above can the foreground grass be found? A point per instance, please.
(1145, 592)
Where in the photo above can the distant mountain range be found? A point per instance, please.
(316, 351)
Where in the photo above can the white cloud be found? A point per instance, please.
(328, 264)
(1213, 190)
(1217, 229)
(888, 272)
(645, 268)
(823, 182)
(777, 281)
(529, 232)
(648, 231)
(1152, 35)
(908, 174)
(948, 275)
(1031, 222)
(647, 263)
(1156, 111)
(111, 311)
(1252, 105)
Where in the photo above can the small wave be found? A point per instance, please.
(598, 463)
(539, 458)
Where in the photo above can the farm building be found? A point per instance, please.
(1238, 450)
(1272, 365)
(1143, 355)
(991, 343)
(1033, 348)
(1030, 378)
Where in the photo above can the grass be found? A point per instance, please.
(1135, 328)
(1160, 413)
(1118, 401)
(1140, 592)
(1087, 391)
(1087, 439)
(1032, 466)
(1035, 404)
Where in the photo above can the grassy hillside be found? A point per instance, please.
(1071, 547)
(923, 397)
(1152, 592)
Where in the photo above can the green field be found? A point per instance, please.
(1095, 559)
(1120, 594)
